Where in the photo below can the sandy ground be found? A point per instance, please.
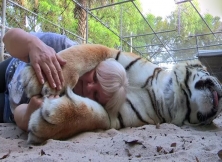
(146, 143)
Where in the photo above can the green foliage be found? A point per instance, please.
(60, 11)
(124, 21)
(101, 35)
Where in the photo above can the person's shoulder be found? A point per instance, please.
(47, 34)
(57, 41)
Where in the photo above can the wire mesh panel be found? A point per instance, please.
(42, 16)
(122, 24)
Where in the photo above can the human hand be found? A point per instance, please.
(35, 103)
(46, 63)
(23, 112)
(52, 96)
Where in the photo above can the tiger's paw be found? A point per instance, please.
(30, 82)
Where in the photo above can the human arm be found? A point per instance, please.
(23, 112)
(43, 58)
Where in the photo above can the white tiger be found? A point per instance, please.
(187, 94)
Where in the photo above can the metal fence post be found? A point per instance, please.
(87, 29)
(121, 28)
(3, 29)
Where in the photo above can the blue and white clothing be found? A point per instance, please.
(15, 94)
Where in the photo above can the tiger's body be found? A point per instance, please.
(185, 94)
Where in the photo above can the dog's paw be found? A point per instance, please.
(48, 91)
(30, 82)
(40, 130)
(49, 120)
(53, 110)
(32, 139)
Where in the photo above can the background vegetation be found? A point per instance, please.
(177, 37)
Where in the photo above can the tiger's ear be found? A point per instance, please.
(181, 70)
(195, 64)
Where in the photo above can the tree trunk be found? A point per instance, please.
(22, 20)
(80, 15)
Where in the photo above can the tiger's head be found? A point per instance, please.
(203, 93)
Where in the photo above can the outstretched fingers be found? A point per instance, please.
(51, 71)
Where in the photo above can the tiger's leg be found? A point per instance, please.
(66, 116)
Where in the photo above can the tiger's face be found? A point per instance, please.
(205, 93)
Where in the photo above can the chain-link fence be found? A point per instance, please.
(26, 15)
(119, 24)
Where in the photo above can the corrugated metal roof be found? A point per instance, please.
(212, 59)
(209, 53)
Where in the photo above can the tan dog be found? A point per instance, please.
(81, 59)
(187, 94)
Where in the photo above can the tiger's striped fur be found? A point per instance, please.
(187, 94)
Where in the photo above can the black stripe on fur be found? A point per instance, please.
(156, 106)
(121, 121)
(155, 73)
(152, 102)
(161, 107)
(132, 63)
(187, 117)
(176, 77)
(117, 56)
(188, 74)
(136, 112)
